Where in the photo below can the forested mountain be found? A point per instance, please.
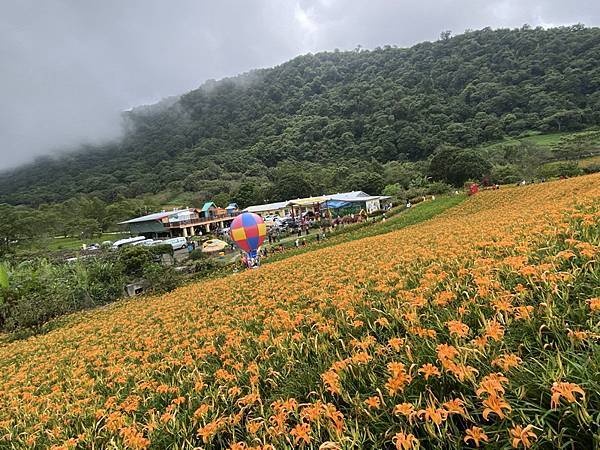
(332, 120)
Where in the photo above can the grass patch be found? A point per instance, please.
(591, 161)
(548, 140)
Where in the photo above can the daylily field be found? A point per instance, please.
(477, 328)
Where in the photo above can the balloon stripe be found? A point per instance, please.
(262, 229)
(248, 220)
(245, 245)
(251, 231)
(238, 234)
(253, 242)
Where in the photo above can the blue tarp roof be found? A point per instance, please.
(336, 204)
(232, 206)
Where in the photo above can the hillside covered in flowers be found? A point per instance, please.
(477, 328)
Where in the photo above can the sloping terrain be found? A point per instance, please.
(340, 110)
(480, 325)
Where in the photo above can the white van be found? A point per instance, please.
(128, 241)
(177, 243)
(143, 243)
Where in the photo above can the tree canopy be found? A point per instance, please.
(338, 117)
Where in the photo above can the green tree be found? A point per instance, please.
(560, 169)
(467, 165)
(222, 199)
(247, 194)
(370, 182)
(401, 172)
(289, 185)
(564, 120)
(393, 190)
(506, 174)
(456, 166)
(577, 145)
(440, 162)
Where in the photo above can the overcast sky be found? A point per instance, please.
(68, 67)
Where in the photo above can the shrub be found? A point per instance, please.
(133, 260)
(507, 174)
(560, 169)
(106, 280)
(592, 168)
(162, 249)
(413, 193)
(204, 266)
(437, 188)
(160, 278)
(40, 291)
(393, 190)
(197, 254)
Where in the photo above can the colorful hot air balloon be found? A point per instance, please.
(248, 231)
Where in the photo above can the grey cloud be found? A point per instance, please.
(69, 67)
(346, 23)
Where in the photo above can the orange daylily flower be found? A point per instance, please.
(507, 361)
(433, 414)
(399, 378)
(457, 328)
(494, 330)
(332, 381)
(522, 436)
(492, 384)
(594, 304)
(396, 343)
(301, 433)
(446, 352)
(476, 435)
(566, 391)
(373, 402)
(454, 406)
(405, 409)
(404, 441)
(495, 405)
(429, 370)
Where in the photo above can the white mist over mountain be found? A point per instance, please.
(70, 67)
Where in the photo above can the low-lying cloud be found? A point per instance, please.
(69, 67)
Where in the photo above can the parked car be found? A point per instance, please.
(127, 241)
(290, 222)
(145, 242)
(279, 227)
(177, 243)
(272, 221)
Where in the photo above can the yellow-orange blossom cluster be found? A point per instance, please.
(425, 333)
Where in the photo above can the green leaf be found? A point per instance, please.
(3, 276)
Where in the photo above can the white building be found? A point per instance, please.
(358, 200)
(280, 209)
